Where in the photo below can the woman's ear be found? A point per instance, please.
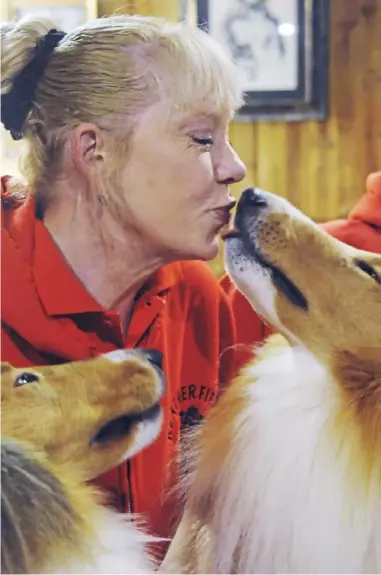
(88, 148)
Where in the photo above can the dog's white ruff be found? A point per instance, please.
(289, 463)
(120, 549)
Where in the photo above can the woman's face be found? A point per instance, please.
(176, 182)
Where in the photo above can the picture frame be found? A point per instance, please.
(281, 49)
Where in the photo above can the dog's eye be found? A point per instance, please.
(369, 270)
(25, 378)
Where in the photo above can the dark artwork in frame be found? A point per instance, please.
(281, 49)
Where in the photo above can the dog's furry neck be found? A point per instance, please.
(54, 526)
(120, 548)
(293, 458)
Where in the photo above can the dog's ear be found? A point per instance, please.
(5, 367)
(359, 374)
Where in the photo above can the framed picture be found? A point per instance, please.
(281, 49)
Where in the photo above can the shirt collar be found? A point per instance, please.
(60, 290)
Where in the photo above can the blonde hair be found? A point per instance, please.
(106, 72)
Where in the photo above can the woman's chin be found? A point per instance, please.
(209, 251)
(201, 250)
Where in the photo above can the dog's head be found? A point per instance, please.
(92, 413)
(314, 289)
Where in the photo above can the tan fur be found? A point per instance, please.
(343, 324)
(194, 537)
(51, 518)
(190, 551)
(335, 343)
(61, 412)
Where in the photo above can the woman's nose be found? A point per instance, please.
(231, 169)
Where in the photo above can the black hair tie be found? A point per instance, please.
(16, 105)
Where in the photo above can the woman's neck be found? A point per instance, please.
(111, 263)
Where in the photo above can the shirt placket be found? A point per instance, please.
(146, 312)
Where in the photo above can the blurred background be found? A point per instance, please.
(320, 165)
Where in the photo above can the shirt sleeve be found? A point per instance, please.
(355, 233)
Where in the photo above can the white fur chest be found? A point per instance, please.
(290, 498)
(120, 548)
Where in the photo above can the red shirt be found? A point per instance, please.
(48, 317)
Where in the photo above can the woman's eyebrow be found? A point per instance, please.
(211, 119)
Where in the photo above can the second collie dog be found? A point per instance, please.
(287, 478)
(61, 426)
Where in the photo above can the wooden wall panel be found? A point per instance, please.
(321, 166)
(165, 8)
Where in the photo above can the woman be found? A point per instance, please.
(128, 170)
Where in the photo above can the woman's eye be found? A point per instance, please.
(203, 141)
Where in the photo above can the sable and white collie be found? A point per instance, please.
(287, 477)
(63, 425)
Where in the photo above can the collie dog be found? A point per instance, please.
(63, 425)
(287, 471)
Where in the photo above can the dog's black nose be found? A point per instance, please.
(155, 357)
(253, 197)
